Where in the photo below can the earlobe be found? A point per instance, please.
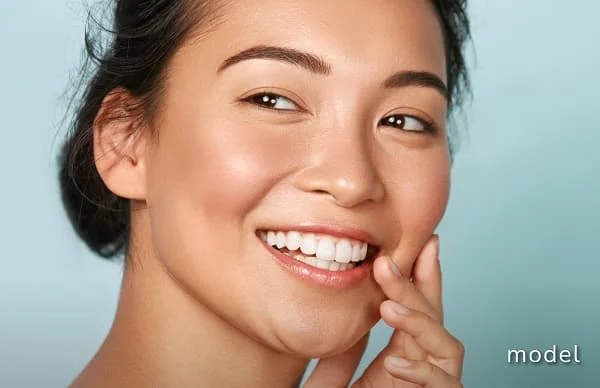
(119, 145)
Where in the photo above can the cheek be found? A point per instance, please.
(223, 167)
(207, 174)
(204, 177)
(420, 197)
(426, 189)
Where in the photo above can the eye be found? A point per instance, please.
(272, 101)
(407, 123)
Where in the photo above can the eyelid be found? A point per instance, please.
(416, 114)
(293, 97)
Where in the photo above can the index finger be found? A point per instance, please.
(400, 289)
(427, 273)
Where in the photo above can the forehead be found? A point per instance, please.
(354, 36)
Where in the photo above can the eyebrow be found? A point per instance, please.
(318, 65)
(308, 61)
(416, 78)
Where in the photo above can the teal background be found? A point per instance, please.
(520, 245)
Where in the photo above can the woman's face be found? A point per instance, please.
(322, 126)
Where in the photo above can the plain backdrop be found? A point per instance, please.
(520, 245)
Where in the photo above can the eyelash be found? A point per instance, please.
(266, 100)
(428, 126)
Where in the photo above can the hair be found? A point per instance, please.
(144, 37)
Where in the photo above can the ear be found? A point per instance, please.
(119, 145)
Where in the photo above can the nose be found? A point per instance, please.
(343, 168)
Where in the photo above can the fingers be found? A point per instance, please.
(415, 311)
(421, 373)
(399, 288)
(427, 273)
(445, 351)
(337, 371)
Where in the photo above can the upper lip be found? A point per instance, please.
(332, 230)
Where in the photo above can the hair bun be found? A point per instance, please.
(99, 217)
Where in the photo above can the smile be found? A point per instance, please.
(319, 250)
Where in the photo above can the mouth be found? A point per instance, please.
(320, 250)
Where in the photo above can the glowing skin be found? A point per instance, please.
(202, 294)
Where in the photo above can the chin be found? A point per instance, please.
(322, 344)
(314, 335)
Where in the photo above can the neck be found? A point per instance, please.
(161, 336)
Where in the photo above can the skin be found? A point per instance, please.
(203, 303)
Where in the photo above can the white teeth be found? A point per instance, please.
(308, 245)
(293, 240)
(335, 254)
(323, 264)
(300, 258)
(280, 242)
(271, 238)
(363, 251)
(343, 251)
(355, 252)
(325, 249)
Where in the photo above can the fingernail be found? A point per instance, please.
(394, 268)
(400, 309)
(397, 362)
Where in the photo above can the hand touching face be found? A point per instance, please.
(421, 352)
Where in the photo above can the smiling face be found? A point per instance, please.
(308, 116)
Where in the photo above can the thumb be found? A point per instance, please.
(337, 371)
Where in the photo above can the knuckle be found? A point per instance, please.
(364, 382)
(428, 373)
(424, 324)
(459, 347)
(431, 370)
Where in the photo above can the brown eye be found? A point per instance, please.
(272, 101)
(407, 123)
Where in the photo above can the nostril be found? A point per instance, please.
(320, 192)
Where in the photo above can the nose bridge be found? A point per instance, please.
(343, 166)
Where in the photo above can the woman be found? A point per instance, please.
(273, 172)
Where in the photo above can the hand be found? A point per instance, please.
(421, 353)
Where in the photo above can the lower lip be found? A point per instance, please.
(322, 277)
